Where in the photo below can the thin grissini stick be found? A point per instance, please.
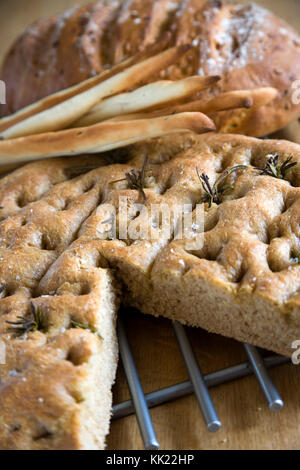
(64, 114)
(252, 99)
(99, 138)
(59, 97)
(160, 93)
(237, 122)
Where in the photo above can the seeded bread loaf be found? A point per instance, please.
(247, 45)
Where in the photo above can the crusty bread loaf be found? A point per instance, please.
(245, 44)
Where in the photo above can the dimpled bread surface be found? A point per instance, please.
(58, 251)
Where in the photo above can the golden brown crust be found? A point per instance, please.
(138, 24)
(54, 99)
(99, 137)
(249, 46)
(54, 54)
(69, 105)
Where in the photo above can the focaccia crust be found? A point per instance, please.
(56, 251)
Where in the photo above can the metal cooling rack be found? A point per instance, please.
(198, 384)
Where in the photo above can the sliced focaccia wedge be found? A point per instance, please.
(60, 348)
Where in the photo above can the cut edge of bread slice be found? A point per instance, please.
(56, 388)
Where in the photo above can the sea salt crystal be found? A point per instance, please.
(137, 20)
(24, 379)
(181, 262)
(41, 400)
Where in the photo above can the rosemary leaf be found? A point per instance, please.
(82, 326)
(34, 322)
(136, 179)
(213, 194)
(276, 168)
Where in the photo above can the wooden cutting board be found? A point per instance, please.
(247, 422)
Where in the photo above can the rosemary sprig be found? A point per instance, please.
(34, 322)
(136, 179)
(276, 168)
(82, 326)
(213, 194)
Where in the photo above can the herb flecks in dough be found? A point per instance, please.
(34, 322)
(276, 168)
(136, 179)
(214, 193)
(82, 326)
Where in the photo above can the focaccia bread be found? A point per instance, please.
(64, 256)
(55, 385)
(246, 45)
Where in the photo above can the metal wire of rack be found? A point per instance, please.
(198, 384)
